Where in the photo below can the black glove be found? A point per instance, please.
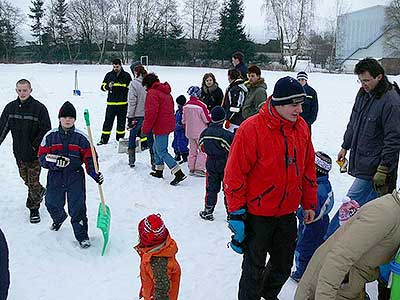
(99, 178)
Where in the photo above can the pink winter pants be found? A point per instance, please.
(196, 159)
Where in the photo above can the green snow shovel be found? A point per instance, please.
(104, 214)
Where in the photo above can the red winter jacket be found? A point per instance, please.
(159, 115)
(271, 168)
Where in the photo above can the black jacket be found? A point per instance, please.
(4, 271)
(235, 96)
(373, 133)
(211, 96)
(242, 68)
(28, 122)
(216, 142)
(118, 95)
(310, 105)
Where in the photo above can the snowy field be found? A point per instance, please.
(47, 265)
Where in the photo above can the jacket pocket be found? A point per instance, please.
(263, 194)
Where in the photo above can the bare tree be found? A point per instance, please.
(201, 18)
(393, 27)
(10, 20)
(126, 9)
(291, 18)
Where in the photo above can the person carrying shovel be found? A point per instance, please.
(63, 151)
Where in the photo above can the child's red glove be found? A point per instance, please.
(227, 124)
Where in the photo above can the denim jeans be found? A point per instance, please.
(362, 190)
(161, 154)
(134, 132)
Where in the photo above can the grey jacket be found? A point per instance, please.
(373, 134)
(136, 98)
(351, 257)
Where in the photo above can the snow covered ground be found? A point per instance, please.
(47, 265)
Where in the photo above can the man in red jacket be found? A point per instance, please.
(270, 171)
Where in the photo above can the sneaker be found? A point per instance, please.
(34, 216)
(55, 226)
(179, 176)
(200, 173)
(206, 215)
(191, 172)
(84, 244)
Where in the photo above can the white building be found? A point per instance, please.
(361, 34)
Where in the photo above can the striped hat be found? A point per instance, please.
(152, 231)
(323, 162)
(287, 90)
(194, 91)
(302, 75)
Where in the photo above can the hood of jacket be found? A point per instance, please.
(162, 87)
(259, 83)
(168, 248)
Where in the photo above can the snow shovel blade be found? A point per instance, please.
(103, 223)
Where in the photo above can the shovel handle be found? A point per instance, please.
(96, 165)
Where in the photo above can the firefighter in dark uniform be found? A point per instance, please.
(116, 83)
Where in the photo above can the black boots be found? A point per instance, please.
(34, 216)
(207, 214)
(177, 157)
(179, 176)
(184, 158)
(157, 173)
(131, 157)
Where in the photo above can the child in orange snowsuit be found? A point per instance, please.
(160, 272)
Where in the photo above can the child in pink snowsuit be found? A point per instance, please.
(195, 117)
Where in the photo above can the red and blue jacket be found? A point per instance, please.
(71, 143)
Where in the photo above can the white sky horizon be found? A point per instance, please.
(254, 17)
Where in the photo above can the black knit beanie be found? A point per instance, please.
(67, 110)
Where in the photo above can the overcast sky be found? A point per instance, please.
(254, 19)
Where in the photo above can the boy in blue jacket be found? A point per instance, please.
(63, 151)
(180, 142)
(311, 236)
(215, 141)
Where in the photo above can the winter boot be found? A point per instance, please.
(131, 157)
(152, 162)
(177, 157)
(56, 226)
(200, 173)
(84, 244)
(207, 214)
(158, 172)
(34, 216)
(179, 175)
(184, 158)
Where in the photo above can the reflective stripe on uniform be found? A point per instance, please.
(117, 103)
(106, 132)
(120, 84)
(120, 132)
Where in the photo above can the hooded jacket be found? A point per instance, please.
(235, 96)
(271, 168)
(195, 117)
(256, 96)
(159, 115)
(158, 265)
(136, 98)
(351, 257)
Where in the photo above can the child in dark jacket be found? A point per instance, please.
(63, 151)
(311, 236)
(180, 142)
(160, 272)
(215, 141)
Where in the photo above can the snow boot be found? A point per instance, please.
(177, 157)
(184, 158)
(34, 215)
(179, 176)
(131, 157)
(56, 226)
(84, 244)
(157, 173)
(206, 214)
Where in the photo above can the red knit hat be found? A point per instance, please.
(152, 230)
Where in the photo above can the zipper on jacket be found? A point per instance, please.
(286, 166)
(259, 197)
(295, 162)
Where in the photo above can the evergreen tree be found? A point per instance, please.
(37, 15)
(231, 32)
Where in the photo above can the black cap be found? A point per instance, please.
(67, 110)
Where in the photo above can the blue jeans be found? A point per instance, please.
(134, 132)
(161, 155)
(362, 190)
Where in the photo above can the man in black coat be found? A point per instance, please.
(28, 121)
(310, 105)
(116, 83)
(4, 271)
(237, 61)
